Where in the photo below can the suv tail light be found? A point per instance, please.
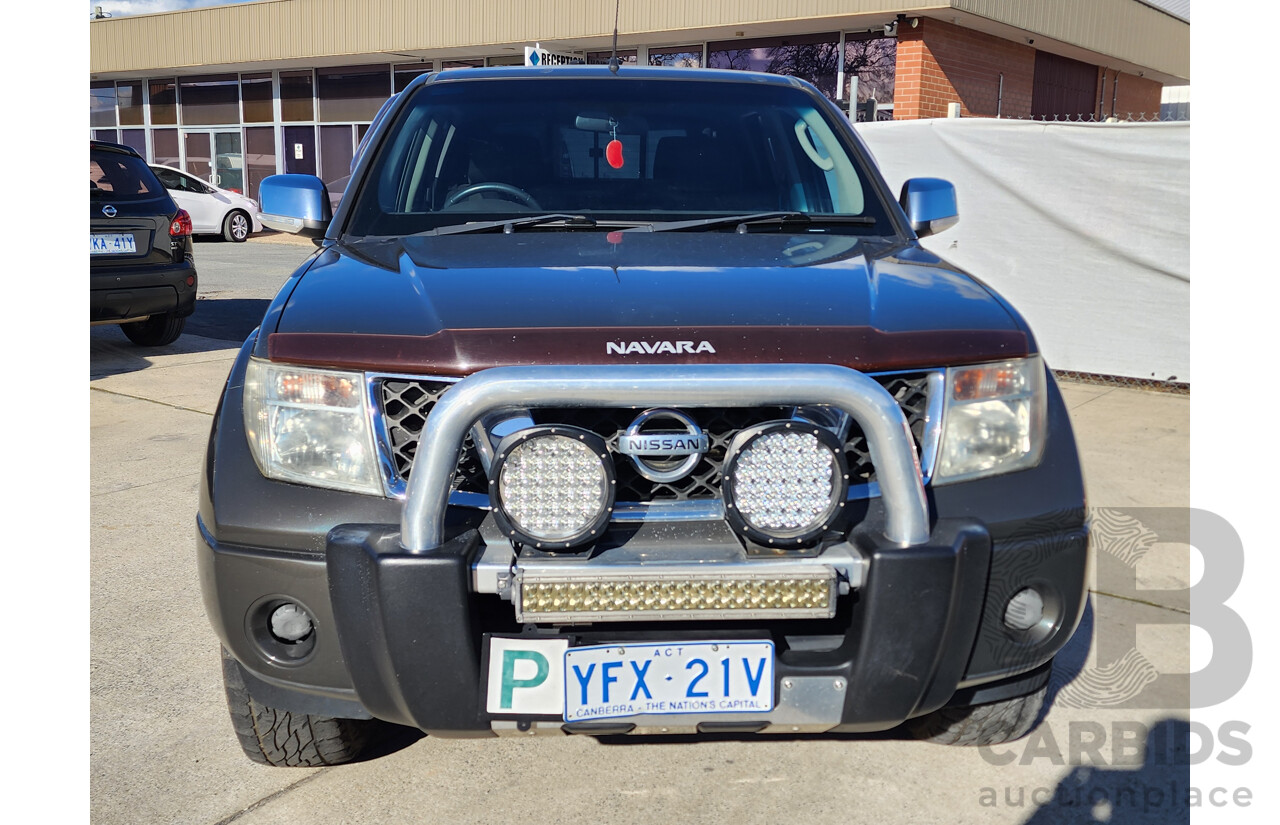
(180, 227)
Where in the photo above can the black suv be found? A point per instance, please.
(142, 274)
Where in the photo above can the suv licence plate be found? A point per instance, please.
(113, 244)
(609, 681)
(545, 677)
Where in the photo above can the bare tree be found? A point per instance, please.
(808, 61)
(739, 59)
(871, 60)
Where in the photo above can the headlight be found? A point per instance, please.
(310, 426)
(552, 487)
(993, 421)
(784, 483)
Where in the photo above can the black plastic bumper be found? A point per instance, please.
(119, 293)
(409, 635)
(398, 635)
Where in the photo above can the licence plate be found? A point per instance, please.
(113, 244)
(609, 681)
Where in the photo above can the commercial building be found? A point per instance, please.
(235, 93)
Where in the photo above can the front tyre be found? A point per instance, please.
(236, 227)
(991, 724)
(283, 739)
(156, 331)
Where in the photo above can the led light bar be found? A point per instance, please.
(809, 594)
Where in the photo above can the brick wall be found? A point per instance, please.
(1136, 97)
(939, 63)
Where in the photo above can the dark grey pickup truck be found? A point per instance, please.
(628, 403)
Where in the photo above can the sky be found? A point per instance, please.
(121, 8)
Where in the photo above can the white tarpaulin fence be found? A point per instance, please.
(1084, 227)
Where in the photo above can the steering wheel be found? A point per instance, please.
(505, 189)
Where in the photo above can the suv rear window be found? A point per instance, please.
(467, 150)
(123, 176)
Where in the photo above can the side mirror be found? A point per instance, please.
(930, 204)
(297, 204)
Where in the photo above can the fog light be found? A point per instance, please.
(290, 623)
(1025, 610)
(552, 487)
(784, 482)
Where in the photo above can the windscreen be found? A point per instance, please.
(608, 148)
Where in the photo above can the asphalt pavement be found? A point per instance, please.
(237, 281)
(162, 748)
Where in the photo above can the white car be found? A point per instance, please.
(213, 211)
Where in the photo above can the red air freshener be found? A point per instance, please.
(613, 153)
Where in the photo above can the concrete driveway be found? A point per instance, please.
(162, 749)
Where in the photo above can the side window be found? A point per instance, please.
(815, 168)
(170, 180)
(401, 180)
(188, 184)
(828, 186)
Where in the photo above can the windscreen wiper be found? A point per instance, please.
(801, 219)
(509, 225)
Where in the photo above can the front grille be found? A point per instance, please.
(912, 394)
(406, 403)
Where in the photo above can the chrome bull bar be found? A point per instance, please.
(687, 385)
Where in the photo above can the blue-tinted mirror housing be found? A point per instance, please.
(930, 204)
(298, 204)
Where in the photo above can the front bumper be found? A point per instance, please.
(400, 634)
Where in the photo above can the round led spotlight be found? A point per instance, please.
(785, 483)
(552, 487)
